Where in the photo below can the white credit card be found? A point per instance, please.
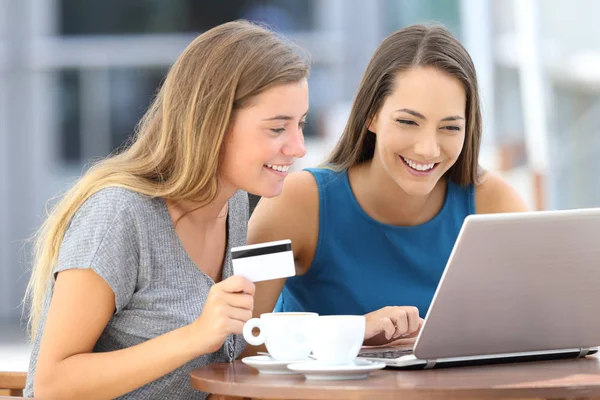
(264, 261)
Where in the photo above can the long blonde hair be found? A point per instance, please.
(416, 45)
(175, 152)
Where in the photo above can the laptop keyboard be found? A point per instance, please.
(386, 353)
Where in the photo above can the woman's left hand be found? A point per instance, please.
(390, 323)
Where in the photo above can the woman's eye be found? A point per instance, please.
(278, 130)
(453, 128)
(406, 122)
(302, 124)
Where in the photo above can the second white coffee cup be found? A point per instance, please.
(337, 339)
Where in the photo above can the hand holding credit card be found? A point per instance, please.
(264, 261)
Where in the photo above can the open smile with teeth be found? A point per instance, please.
(280, 168)
(417, 166)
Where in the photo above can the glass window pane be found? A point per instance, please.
(575, 148)
(91, 17)
(68, 96)
(131, 91)
(402, 13)
(3, 17)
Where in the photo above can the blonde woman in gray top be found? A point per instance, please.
(131, 287)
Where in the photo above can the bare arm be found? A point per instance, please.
(83, 304)
(292, 215)
(495, 195)
(295, 215)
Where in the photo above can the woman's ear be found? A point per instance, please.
(372, 125)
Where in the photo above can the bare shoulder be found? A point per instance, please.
(294, 214)
(299, 195)
(495, 195)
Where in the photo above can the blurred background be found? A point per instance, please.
(76, 75)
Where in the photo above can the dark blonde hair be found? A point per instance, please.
(175, 153)
(414, 46)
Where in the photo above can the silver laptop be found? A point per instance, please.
(517, 287)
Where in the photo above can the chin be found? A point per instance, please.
(416, 189)
(270, 193)
(266, 191)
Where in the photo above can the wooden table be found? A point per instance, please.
(565, 379)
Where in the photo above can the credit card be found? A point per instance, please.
(264, 261)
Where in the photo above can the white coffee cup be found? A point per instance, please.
(337, 339)
(286, 335)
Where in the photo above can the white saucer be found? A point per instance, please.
(359, 369)
(268, 365)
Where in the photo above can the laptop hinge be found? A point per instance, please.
(584, 351)
(430, 364)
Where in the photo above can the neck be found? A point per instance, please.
(382, 199)
(193, 211)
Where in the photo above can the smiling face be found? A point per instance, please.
(265, 138)
(420, 129)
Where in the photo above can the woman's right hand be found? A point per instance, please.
(390, 323)
(228, 306)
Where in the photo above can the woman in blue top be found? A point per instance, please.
(373, 228)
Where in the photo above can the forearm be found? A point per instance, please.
(112, 374)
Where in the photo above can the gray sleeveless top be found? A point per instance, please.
(129, 240)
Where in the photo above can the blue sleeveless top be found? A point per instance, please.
(362, 265)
